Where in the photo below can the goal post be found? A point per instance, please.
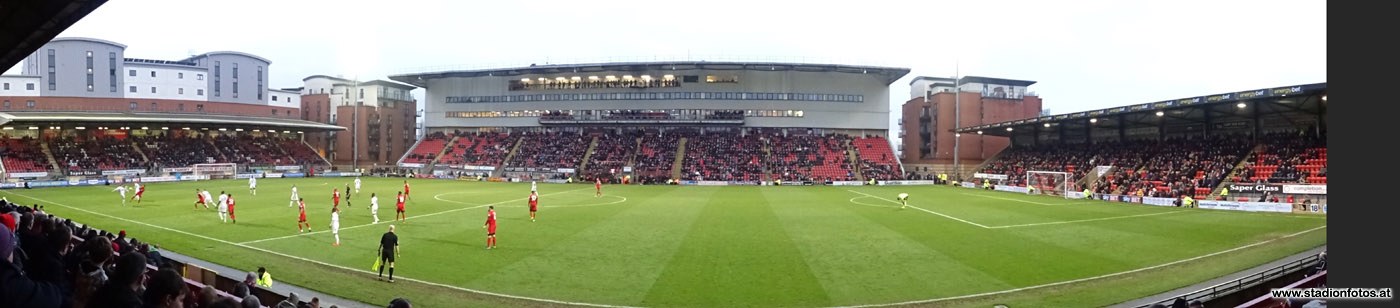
(216, 171)
(1049, 183)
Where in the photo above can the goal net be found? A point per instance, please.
(1049, 183)
(216, 171)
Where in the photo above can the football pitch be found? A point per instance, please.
(694, 246)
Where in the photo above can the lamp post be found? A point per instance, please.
(355, 126)
(957, 119)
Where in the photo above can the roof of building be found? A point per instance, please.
(87, 39)
(326, 77)
(1001, 81)
(890, 74)
(40, 117)
(1298, 98)
(935, 79)
(28, 24)
(387, 83)
(226, 52)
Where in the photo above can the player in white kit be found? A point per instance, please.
(208, 199)
(223, 207)
(335, 224)
(357, 185)
(295, 197)
(121, 190)
(533, 187)
(374, 207)
(253, 186)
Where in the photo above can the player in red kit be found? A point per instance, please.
(200, 195)
(335, 198)
(301, 221)
(140, 190)
(230, 209)
(490, 227)
(598, 187)
(405, 189)
(534, 205)
(400, 215)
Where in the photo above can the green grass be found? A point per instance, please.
(731, 246)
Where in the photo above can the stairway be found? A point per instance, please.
(767, 157)
(433, 163)
(854, 160)
(1238, 166)
(500, 167)
(53, 163)
(136, 147)
(680, 157)
(632, 159)
(222, 157)
(593, 144)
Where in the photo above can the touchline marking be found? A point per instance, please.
(1083, 220)
(1088, 278)
(319, 262)
(922, 209)
(390, 221)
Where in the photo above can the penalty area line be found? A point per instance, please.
(356, 270)
(922, 209)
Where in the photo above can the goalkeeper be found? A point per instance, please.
(903, 200)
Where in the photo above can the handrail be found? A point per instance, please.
(1251, 280)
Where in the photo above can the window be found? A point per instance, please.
(29, 104)
(133, 106)
(29, 86)
(153, 73)
(112, 72)
(131, 73)
(199, 107)
(181, 91)
(7, 86)
(274, 98)
(235, 73)
(133, 89)
(153, 90)
(53, 72)
(180, 75)
(153, 106)
(199, 92)
(274, 112)
(199, 76)
(181, 107)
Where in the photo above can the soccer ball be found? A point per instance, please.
(903, 196)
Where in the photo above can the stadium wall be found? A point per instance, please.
(89, 104)
(20, 86)
(870, 113)
(69, 59)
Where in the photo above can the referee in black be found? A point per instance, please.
(388, 249)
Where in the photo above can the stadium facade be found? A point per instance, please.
(82, 107)
(769, 95)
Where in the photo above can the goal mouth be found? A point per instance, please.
(1053, 183)
(216, 171)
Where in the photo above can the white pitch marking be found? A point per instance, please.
(1087, 278)
(319, 262)
(853, 200)
(384, 222)
(1025, 201)
(1082, 220)
(926, 211)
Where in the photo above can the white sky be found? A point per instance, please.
(1085, 55)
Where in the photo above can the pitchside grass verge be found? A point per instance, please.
(703, 246)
